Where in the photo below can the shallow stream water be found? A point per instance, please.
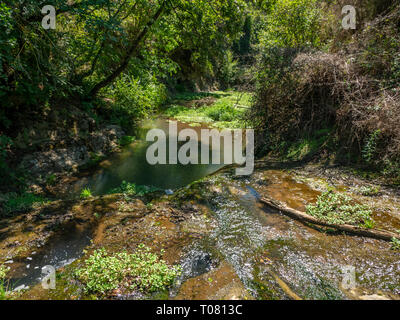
(274, 256)
(132, 166)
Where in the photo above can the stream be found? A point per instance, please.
(240, 248)
(131, 165)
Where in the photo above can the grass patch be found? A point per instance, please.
(142, 270)
(395, 244)
(21, 202)
(369, 191)
(86, 193)
(226, 112)
(338, 208)
(3, 286)
(131, 189)
(190, 96)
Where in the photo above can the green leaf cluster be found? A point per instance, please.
(142, 270)
(338, 208)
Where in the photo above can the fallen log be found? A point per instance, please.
(304, 217)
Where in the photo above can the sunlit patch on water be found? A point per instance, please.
(309, 261)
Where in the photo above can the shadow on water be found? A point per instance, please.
(63, 249)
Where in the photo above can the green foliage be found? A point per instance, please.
(338, 208)
(3, 287)
(3, 272)
(395, 244)
(126, 140)
(304, 147)
(228, 70)
(133, 100)
(131, 189)
(369, 191)
(190, 95)
(369, 149)
(109, 45)
(86, 193)
(51, 179)
(141, 270)
(21, 202)
(292, 23)
(226, 112)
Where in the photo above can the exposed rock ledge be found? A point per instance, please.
(77, 153)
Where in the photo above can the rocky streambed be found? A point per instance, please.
(230, 246)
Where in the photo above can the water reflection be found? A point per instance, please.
(132, 166)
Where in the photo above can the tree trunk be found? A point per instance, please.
(131, 52)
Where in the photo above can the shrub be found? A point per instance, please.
(142, 270)
(131, 189)
(228, 70)
(292, 23)
(21, 202)
(353, 88)
(369, 149)
(395, 244)
(134, 100)
(126, 140)
(369, 191)
(86, 193)
(3, 291)
(337, 208)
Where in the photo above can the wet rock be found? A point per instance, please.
(197, 263)
(75, 153)
(218, 284)
(374, 297)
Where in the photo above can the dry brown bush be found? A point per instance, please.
(356, 91)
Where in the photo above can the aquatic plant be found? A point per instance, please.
(86, 193)
(369, 191)
(141, 270)
(131, 189)
(395, 244)
(338, 208)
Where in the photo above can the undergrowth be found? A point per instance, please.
(225, 112)
(131, 189)
(142, 270)
(338, 208)
(25, 201)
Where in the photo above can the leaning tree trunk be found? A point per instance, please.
(133, 49)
